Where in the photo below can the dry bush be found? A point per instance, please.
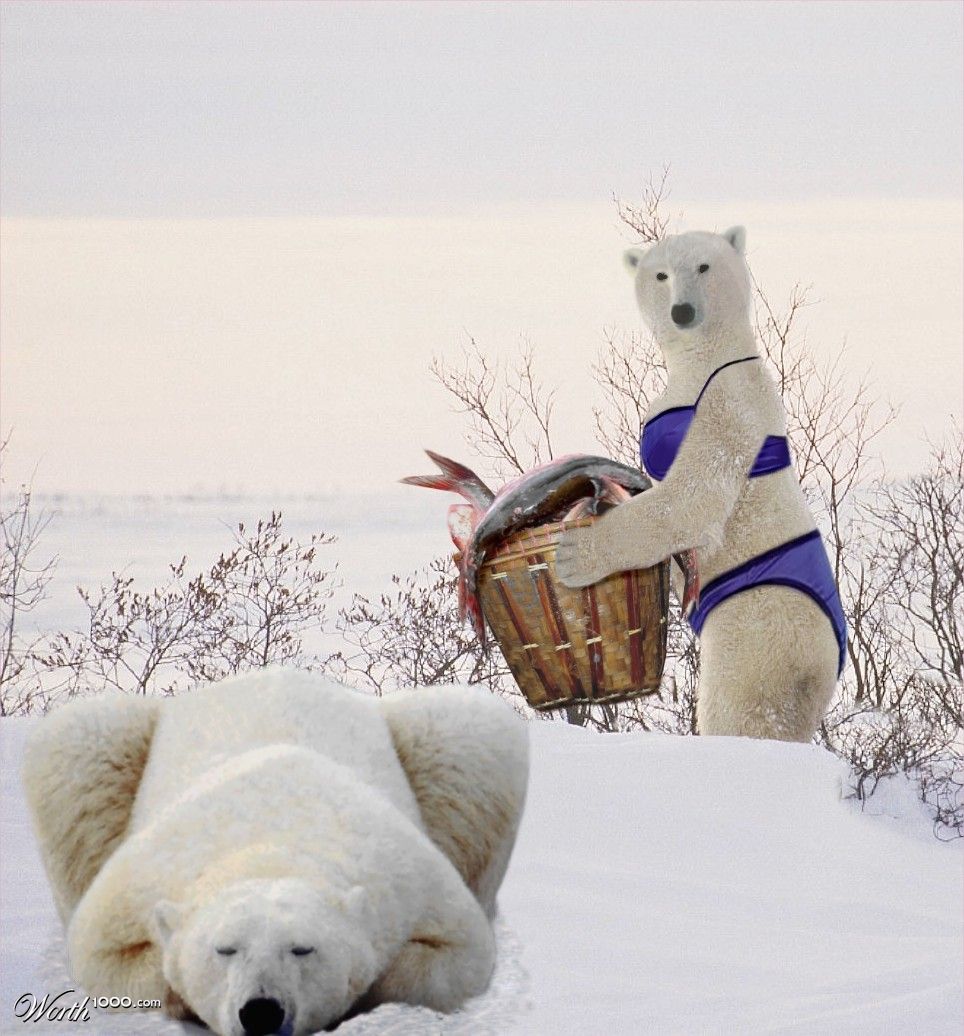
(23, 585)
(900, 707)
(509, 410)
(411, 636)
(252, 608)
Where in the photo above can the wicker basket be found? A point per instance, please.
(603, 643)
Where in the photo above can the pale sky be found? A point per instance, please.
(315, 109)
(235, 234)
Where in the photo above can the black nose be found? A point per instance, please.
(261, 1016)
(682, 314)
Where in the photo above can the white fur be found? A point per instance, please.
(270, 813)
(769, 656)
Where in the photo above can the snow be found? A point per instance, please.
(721, 885)
(661, 885)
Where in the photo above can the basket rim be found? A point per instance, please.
(535, 537)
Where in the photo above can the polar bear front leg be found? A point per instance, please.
(81, 772)
(466, 756)
(449, 957)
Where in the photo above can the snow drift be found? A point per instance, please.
(659, 885)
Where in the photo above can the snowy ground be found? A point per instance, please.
(660, 885)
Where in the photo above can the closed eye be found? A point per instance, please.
(226, 951)
(703, 267)
(302, 951)
(661, 276)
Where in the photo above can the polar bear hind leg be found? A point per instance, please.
(466, 756)
(81, 772)
(768, 666)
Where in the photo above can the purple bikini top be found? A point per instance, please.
(663, 435)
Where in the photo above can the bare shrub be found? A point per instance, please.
(920, 528)
(648, 219)
(900, 708)
(411, 636)
(509, 409)
(23, 585)
(628, 374)
(270, 593)
(252, 608)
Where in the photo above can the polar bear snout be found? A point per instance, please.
(261, 1016)
(683, 314)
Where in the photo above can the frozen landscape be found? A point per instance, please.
(660, 884)
(245, 248)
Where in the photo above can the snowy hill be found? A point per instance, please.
(660, 885)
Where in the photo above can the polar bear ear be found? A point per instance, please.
(165, 920)
(632, 257)
(737, 238)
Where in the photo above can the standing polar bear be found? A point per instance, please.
(276, 851)
(771, 627)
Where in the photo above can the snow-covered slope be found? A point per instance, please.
(660, 885)
(694, 885)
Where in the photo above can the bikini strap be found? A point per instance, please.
(706, 384)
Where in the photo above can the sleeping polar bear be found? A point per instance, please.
(276, 851)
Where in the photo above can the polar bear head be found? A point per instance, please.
(267, 956)
(693, 288)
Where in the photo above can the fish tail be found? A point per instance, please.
(431, 482)
(452, 468)
(471, 486)
(455, 478)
